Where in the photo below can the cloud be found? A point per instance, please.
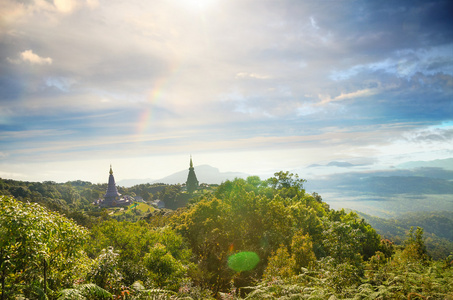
(69, 6)
(432, 134)
(313, 23)
(405, 63)
(233, 75)
(32, 58)
(65, 6)
(339, 164)
(345, 96)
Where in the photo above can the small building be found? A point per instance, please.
(139, 199)
(158, 204)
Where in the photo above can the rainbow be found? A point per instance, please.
(156, 94)
(154, 97)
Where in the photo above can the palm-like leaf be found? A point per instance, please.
(84, 291)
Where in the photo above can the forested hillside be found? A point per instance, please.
(246, 239)
(438, 229)
(74, 199)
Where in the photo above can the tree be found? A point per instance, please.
(105, 272)
(288, 184)
(302, 251)
(342, 243)
(133, 242)
(172, 197)
(147, 196)
(415, 246)
(164, 269)
(280, 265)
(35, 243)
(204, 227)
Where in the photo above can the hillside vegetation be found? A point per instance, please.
(438, 229)
(246, 239)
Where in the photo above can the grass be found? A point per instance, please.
(141, 206)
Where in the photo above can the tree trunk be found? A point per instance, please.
(45, 277)
(3, 284)
(3, 275)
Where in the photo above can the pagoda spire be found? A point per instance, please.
(111, 195)
(192, 181)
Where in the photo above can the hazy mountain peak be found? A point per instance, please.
(205, 174)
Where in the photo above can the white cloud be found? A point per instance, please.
(29, 134)
(222, 72)
(29, 56)
(12, 11)
(313, 23)
(405, 63)
(61, 83)
(346, 96)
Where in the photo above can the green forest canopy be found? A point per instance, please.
(291, 243)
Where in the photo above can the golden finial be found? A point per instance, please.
(111, 172)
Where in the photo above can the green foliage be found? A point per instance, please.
(268, 218)
(72, 199)
(341, 276)
(164, 269)
(104, 272)
(302, 251)
(173, 197)
(301, 248)
(437, 229)
(188, 291)
(389, 279)
(84, 291)
(286, 180)
(138, 245)
(280, 265)
(37, 246)
(154, 294)
(204, 228)
(415, 246)
(347, 234)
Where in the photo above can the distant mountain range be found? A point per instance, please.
(424, 180)
(446, 164)
(340, 164)
(205, 174)
(409, 187)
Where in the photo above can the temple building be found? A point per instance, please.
(192, 182)
(112, 197)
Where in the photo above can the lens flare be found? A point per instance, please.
(243, 261)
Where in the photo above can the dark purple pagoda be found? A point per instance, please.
(111, 197)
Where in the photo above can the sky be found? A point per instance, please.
(241, 85)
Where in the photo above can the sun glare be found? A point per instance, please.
(198, 4)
